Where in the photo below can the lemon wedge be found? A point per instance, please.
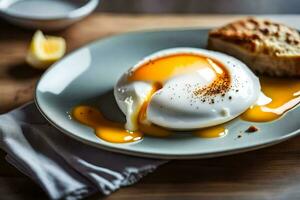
(45, 50)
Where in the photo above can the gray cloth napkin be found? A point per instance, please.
(64, 167)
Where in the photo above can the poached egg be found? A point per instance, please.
(185, 89)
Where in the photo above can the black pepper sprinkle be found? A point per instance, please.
(230, 97)
(219, 86)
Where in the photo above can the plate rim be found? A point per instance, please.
(219, 153)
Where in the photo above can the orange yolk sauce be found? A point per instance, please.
(162, 69)
(284, 95)
(211, 132)
(106, 130)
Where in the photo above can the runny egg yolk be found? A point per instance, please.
(162, 69)
(284, 94)
(106, 130)
(212, 132)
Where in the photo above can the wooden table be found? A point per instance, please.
(271, 173)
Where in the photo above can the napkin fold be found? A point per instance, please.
(65, 168)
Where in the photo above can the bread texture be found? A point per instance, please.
(266, 47)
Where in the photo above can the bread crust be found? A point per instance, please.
(266, 47)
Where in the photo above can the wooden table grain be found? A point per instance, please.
(272, 173)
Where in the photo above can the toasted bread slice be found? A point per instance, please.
(266, 47)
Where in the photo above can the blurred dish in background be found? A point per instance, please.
(46, 14)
